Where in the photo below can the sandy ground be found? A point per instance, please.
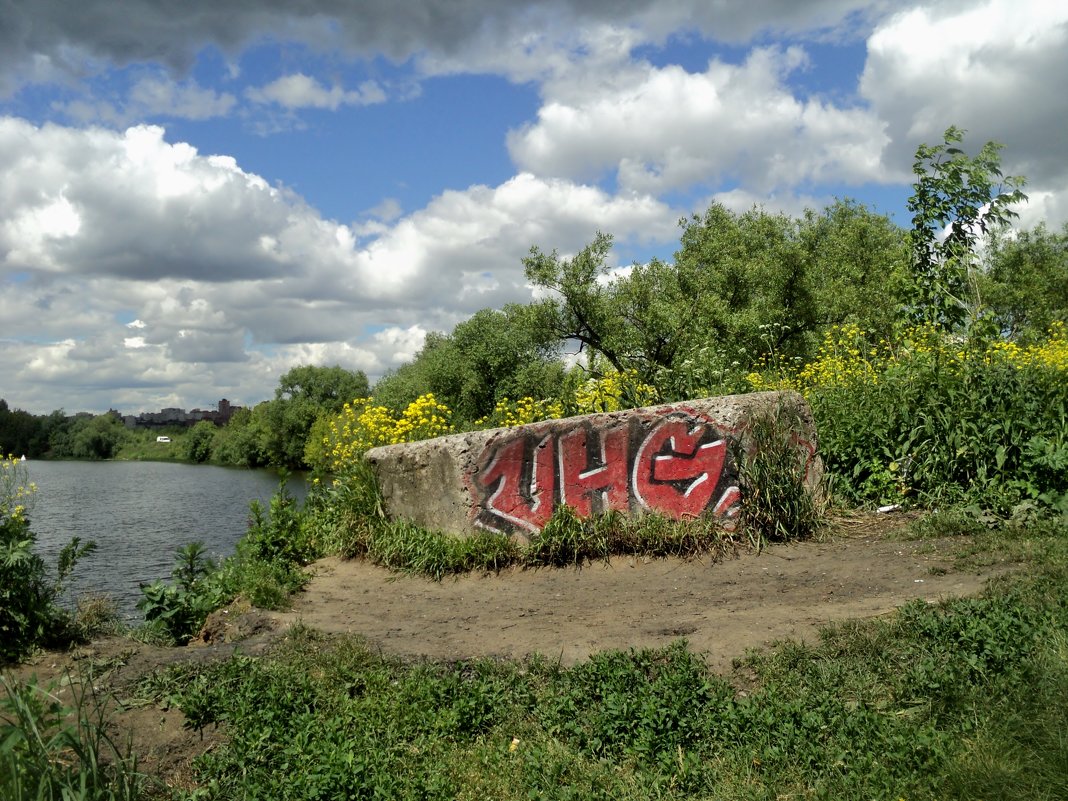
(722, 608)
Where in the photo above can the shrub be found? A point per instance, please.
(181, 608)
(940, 419)
(29, 615)
(780, 500)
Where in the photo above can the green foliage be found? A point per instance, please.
(19, 432)
(179, 609)
(240, 442)
(951, 423)
(199, 440)
(492, 355)
(350, 515)
(744, 289)
(925, 704)
(957, 199)
(29, 614)
(1025, 282)
(87, 437)
(781, 501)
(266, 569)
(858, 262)
(52, 751)
(303, 395)
(1020, 749)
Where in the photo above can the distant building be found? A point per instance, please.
(180, 417)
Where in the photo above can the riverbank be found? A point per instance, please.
(402, 643)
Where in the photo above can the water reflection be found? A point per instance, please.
(139, 513)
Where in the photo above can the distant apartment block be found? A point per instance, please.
(180, 417)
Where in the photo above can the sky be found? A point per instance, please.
(197, 196)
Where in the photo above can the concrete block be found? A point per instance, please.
(677, 459)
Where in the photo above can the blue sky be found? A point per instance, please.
(194, 202)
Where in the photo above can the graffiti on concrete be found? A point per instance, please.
(676, 463)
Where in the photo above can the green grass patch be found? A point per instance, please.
(963, 699)
(49, 749)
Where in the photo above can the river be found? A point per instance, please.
(139, 513)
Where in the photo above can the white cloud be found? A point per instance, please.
(302, 91)
(448, 248)
(663, 128)
(44, 41)
(229, 281)
(150, 97)
(163, 97)
(994, 67)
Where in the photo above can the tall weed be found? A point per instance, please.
(29, 613)
(942, 421)
(782, 495)
(52, 750)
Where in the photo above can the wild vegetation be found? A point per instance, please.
(936, 364)
(29, 614)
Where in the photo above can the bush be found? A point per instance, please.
(29, 615)
(266, 570)
(939, 419)
(780, 500)
(180, 609)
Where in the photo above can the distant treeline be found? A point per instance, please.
(272, 433)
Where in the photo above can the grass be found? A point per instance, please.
(49, 749)
(566, 540)
(958, 700)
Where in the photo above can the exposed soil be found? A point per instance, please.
(722, 608)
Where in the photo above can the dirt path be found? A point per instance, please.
(722, 609)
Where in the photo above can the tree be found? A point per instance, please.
(581, 309)
(240, 441)
(302, 396)
(19, 432)
(329, 388)
(743, 289)
(748, 281)
(1025, 283)
(493, 354)
(199, 440)
(858, 267)
(96, 437)
(957, 200)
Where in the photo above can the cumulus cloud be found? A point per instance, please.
(131, 204)
(43, 41)
(130, 263)
(994, 67)
(663, 128)
(155, 97)
(302, 91)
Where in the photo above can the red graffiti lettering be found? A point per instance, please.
(675, 472)
(528, 507)
(681, 468)
(607, 480)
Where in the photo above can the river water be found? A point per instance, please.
(139, 513)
